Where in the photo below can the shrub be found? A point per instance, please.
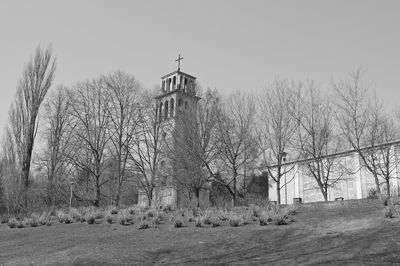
(224, 215)
(12, 223)
(215, 221)
(178, 222)
(255, 210)
(265, 218)
(206, 217)
(109, 219)
(156, 220)
(75, 214)
(124, 217)
(282, 216)
(144, 225)
(31, 222)
(43, 219)
(4, 219)
(235, 220)
(372, 193)
(388, 212)
(247, 218)
(90, 217)
(21, 224)
(198, 222)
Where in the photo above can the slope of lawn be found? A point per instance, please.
(338, 233)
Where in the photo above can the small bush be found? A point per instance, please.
(90, 217)
(31, 222)
(21, 224)
(198, 222)
(224, 215)
(12, 223)
(247, 218)
(109, 219)
(144, 225)
(255, 210)
(372, 193)
(206, 217)
(215, 221)
(265, 218)
(75, 214)
(156, 220)
(388, 212)
(43, 219)
(4, 219)
(124, 217)
(178, 222)
(235, 220)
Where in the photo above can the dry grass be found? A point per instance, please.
(351, 233)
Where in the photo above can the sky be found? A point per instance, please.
(229, 45)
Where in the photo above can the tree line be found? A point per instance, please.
(101, 140)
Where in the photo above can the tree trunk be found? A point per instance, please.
(278, 192)
(388, 187)
(378, 189)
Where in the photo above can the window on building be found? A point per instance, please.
(172, 108)
(166, 110)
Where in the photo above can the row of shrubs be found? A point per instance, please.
(146, 218)
(270, 214)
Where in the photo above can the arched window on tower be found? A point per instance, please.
(184, 87)
(180, 105)
(174, 83)
(166, 110)
(180, 82)
(172, 108)
(163, 85)
(160, 111)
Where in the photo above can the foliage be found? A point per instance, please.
(12, 223)
(235, 220)
(124, 218)
(144, 225)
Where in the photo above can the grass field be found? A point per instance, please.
(352, 232)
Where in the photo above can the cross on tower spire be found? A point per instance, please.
(179, 62)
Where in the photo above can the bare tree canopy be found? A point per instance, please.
(277, 128)
(36, 80)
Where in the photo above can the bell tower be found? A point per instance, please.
(177, 99)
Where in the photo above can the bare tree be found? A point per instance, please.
(277, 129)
(236, 143)
(145, 154)
(57, 135)
(36, 80)
(124, 114)
(88, 102)
(366, 127)
(317, 140)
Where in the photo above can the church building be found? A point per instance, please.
(177, 98)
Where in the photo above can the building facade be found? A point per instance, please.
(355, 183)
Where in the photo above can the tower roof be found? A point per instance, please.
(179, 72)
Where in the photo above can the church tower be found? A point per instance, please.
(177, 98)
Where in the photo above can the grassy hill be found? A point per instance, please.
(335, 233)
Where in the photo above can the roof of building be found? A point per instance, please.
(178, 71)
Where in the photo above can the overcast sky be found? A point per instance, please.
(229, 45)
